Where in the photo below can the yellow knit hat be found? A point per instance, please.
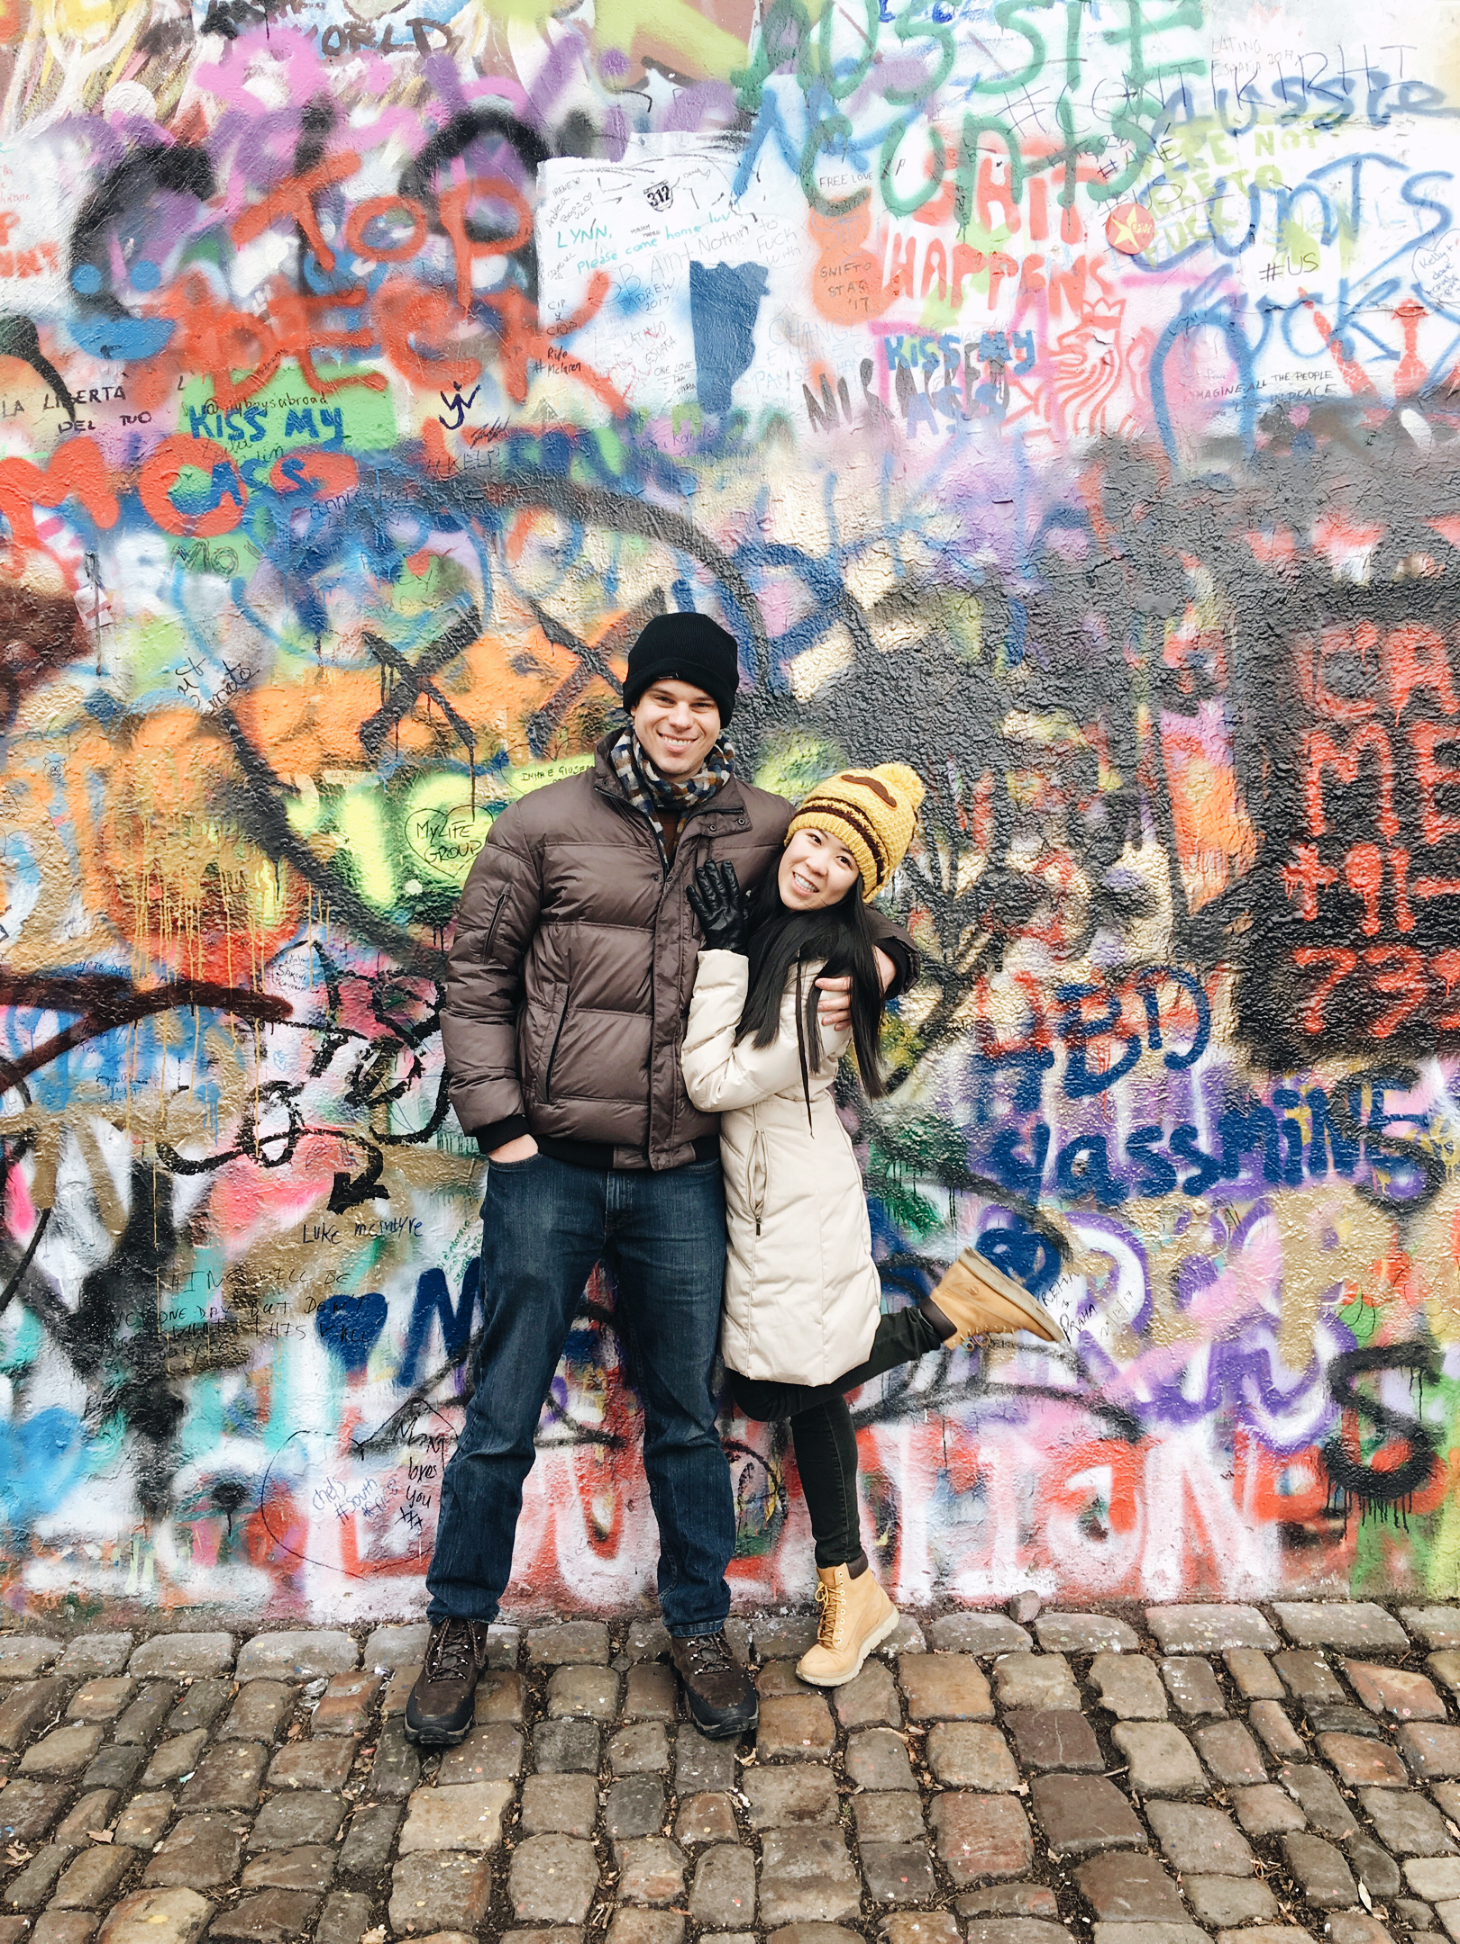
(873, 813)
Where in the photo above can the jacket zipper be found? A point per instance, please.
(620, 802)
(756, 1155)
(547, 1077)
(492, 928)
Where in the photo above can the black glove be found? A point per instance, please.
(722, 908)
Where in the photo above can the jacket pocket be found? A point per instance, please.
(552, 1047)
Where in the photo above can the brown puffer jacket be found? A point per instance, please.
(574, 962)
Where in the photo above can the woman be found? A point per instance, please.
(802, 1295)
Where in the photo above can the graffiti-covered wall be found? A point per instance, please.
(1057, 395)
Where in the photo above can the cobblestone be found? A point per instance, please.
(980, 1633)
(1317, 1795)
(1402, 1692)
(94, 1810)
(1374, 1867)
(1130, 1764)
(573, 1643)
(275, 1917)
(1199, 1840)
(1254, 1674)
(1225, 1901)
(649, 1694)
(1407, 1823)
(305, 1818)
(101, 1700)
(157, 1917)
(877, 1758)
(344, 1707)
(1129, 1687)
(982, 1836)
(553, 1879)
(1431, 1752)
(432, 1892)
(870, 1701)
(108, 1653)
(945, 1687)
(634, 1807)
(559, 1805)
(1210, 1629)
(28, 1809)
(259, 1711)
(889, 1819)
(201, 1851)
(115, 1767)
(1084, 1633)
(310, 1867)
(181, 1654)
(1230, 1753)
(1433, 1626)
(1008, 1900)
(566, 1745)
(1321, 1872)
(142, 1822)
(23, 1655)
(396, 1768)
(1276, 1731)
(1267, 1810)
(723, 1892)
(25, 1707)
(1192, 1685)
(1129, 1888)
(1054, 1738)
(792, 1727)
(296, 1655)
(651, 1871)
(1085, 1813)
(367, 1845)
(785, 1798)
(590, 1691)
(898, 1872)
(489, 1754)
(968, 1755)
(1160, 1760)
(466, 1817)
(1348, 1624)
(807, 1875)
(63, 1751)
(701, 1764)
(1035, 1681)
(706, 1818)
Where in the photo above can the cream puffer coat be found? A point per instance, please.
(802, 1294)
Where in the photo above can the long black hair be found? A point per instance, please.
(784, 942)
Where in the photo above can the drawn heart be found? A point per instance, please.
(349, 1325)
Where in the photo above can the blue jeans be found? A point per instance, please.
(662, 1238)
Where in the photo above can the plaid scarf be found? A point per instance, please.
(658, 796)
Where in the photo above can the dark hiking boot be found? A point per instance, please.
(718, 1692)
(442, 1704)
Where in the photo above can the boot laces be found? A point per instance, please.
(452, 1654)
(707, 1653)
(830, 1597)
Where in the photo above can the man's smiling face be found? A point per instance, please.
(676, 724)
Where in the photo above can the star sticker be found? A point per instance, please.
(1130, 228)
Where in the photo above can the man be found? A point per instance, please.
(570, 977)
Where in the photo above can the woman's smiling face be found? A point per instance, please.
(816, 870)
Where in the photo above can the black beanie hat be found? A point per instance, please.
(685, 648)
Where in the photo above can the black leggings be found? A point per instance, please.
(821, 1429)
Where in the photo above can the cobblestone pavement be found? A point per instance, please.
(1252, 1774)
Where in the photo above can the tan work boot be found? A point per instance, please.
(856, 1616)
(980, 1300)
